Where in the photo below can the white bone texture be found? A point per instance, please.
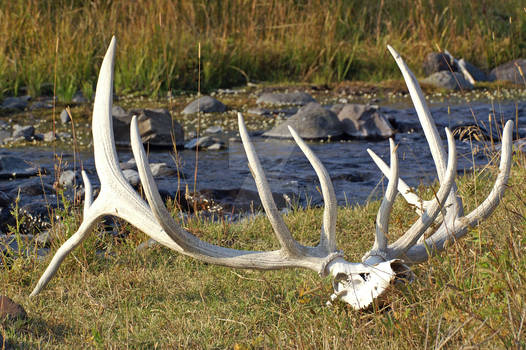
(358, 284)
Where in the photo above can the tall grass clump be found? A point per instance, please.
(310, 40)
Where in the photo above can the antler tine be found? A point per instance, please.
(454, 203)
(382, 219)
(330, 212)
(283, 234)
(194, 247)
(404, 243)
(404, 189)
(459, 226)
(493, 199)
(88, 193)
(424, 115)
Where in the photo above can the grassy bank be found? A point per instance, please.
(48, 42)
(472, 295)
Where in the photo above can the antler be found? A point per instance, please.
(356, 283)
(414, 248)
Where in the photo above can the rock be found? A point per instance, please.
(132, 176)
(4, 134)
(155, 127)
(118, 112)
(3, 125)
(216, 129)
(41, 105)
(79, 98)
(510, 72)
(49, 136)
(64, 135)
(311, 122)
(259, 111)
(64, 117)
(216, 146)
(436, 62)
(519, 145)
(26, 132)
(201, 142)
(288, 98)
(130, 164)
(365, 121)
(15, 167)
(205, 104)
(16, 102)
(11, 310)
(162, 169)
(476, 73)
(448, 80)
(67, 178)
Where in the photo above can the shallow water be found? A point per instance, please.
(354, 174)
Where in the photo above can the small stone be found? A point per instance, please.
(201, 142)
(11, 310)
(132, 176)
(288, 98)
(216, 129)
(43, 238)
(205, 104)
(49, 136)
(64, 117)
(26, 132)
(4, 134)
(130, 164)
(161, 169)
(259, 111)
(64, 135)
(216, 146)
(40, 105)
(118, 112)
(67, 178)
(16, 102)
(79, 98)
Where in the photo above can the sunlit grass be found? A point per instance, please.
(471, 295)
(311, 41)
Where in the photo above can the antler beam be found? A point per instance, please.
(359, 284)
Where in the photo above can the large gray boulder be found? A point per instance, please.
(312, 121)
(365, 121)
(297, 98)
(448, 80)
(205, 104)
(510, 72)
(436, 62)
(155, 127)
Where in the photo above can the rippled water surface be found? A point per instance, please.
(354, 175)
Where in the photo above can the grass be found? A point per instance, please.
(472, 295)
(315, 41)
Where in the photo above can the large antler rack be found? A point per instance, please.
(356, 283)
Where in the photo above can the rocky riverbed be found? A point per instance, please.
(44, 148)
